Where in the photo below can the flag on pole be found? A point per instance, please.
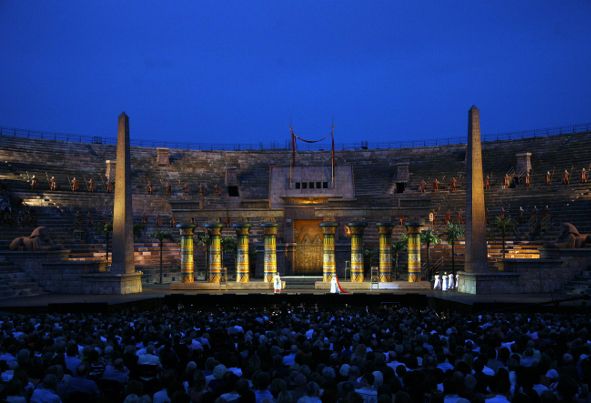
(332, 157)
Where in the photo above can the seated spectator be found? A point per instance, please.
(80, 387)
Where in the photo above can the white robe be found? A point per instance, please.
(334, 288)
(457, 281)
(450, 282)
(276, 283)
(444, 282)
(437, 283)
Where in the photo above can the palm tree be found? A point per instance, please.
(503, 224)
(397, 247)
(203, 239)
(107, 229)
(161, 236)
(229, 245)
(453, 232)
(428, 238)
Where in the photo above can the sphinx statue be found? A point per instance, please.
(39, 240)
(570, 237)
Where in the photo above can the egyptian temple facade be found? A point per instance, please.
(256, 187)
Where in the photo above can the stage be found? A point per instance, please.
(155, 295)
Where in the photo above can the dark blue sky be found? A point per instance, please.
(241, 71)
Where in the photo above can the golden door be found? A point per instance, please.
(308, 239)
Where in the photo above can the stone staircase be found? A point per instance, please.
(15, 283)
(300, 282)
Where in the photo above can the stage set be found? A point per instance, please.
(258, 227)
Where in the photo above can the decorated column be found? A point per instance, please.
(242, 261)
(413, 230)
(385, 233)
(215, 252)
(270, 267)
(187, 261)
(328, 257)
(356, 231)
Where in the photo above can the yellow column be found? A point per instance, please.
(215, 252)
(187, 262)
(413, 231)
(356, 231)
(242, 261)
(270, 267)
(328, 258)
(385, 234)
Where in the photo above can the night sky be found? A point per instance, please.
(242, 71)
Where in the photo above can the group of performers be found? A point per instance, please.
(445, 282)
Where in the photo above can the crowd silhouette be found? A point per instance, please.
(294, 353)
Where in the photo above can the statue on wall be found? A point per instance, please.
(570, 237)
(39, 240)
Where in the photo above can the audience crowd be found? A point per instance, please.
(301, 353)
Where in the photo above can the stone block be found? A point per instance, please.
(110, 283)
(488, 283)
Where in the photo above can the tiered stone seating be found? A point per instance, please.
(373, 172)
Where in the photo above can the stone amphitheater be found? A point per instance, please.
(260, 186)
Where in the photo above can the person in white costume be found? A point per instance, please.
(457, 281)
(276, 283)
(450, 282)
(437, 283)
(334, 288)
(444, 282)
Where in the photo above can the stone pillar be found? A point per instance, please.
(356, 230)
(215, 252)
(187, 261)
(270, 265)
(475, 254)
(122, 278)
(122, 210)
(242, 260)
(110, 169)
(413, 231)
(162, 156)
(523, 163)
(329, 269)
(385, 234)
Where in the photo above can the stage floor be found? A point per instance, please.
(159, 293)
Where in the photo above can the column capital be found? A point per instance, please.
(214, 228)
(269, 228)
(186, 229)
(329, 227)
(356, 227)
(413, 227)
(241, 229)
(385, 227)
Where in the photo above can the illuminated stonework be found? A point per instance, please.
(242, 259)
(414, 252)
(215, 252)
(270, 265)
(328, 256)
(356, 230)
(187, 261)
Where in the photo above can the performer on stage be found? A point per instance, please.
(450, 281)
(444, 282)
(334, 287)
(276, 283)
(437, 283)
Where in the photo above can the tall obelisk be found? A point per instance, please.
(475, 254)
(122, 209)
